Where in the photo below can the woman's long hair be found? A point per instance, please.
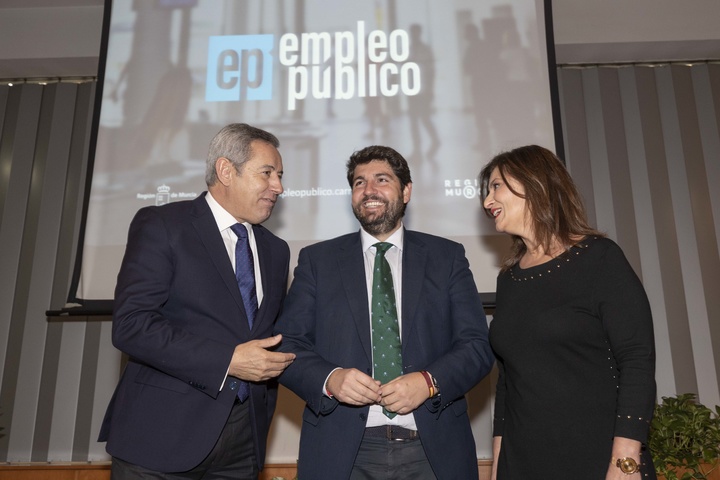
(554, 205)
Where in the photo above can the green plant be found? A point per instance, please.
(685, 438)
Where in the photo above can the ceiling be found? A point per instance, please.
(48, 3)
(61, 38)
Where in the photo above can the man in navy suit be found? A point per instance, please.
(347, 431)
(199, 389)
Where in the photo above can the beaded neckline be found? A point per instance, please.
(544, 270)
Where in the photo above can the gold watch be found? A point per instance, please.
(627, 465)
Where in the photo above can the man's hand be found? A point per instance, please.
(405, 393)
(351, 386)
(253, 362)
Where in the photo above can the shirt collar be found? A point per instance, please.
(397, 238)
(223, 218)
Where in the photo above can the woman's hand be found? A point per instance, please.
(622, 448)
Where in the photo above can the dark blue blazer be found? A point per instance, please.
(325, 322)
(178, 316)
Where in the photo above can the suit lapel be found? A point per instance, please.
(266, 270)
(352, 274)
(207, 229)
(413, 267)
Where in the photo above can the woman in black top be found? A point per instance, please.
(572, 332)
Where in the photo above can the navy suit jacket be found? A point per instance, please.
(178, 316)
(326, 323)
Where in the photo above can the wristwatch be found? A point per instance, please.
(627, 465)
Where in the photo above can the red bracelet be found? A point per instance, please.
(428, 380)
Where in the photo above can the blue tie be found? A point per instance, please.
(245, 272)
(245, 275)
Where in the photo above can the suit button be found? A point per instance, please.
(363, 417)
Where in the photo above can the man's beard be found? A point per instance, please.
(382, 223)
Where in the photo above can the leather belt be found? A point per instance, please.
(392, 432)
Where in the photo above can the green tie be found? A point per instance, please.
(387, 358)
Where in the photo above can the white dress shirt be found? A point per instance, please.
(224, 221)
(393, 256)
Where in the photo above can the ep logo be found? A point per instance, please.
(239, 68)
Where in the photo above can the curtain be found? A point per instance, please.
(642, 142)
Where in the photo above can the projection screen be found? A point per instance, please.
(447, 83)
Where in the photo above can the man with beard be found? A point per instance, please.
(384, 387)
